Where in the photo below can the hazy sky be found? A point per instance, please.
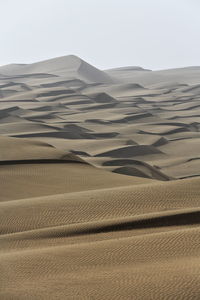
(154, 34)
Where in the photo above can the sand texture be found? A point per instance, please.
(99, 182)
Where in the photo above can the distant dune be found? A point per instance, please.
(100, 182)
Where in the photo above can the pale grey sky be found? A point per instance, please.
(154, 34)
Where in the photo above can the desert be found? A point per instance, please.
(99, 181)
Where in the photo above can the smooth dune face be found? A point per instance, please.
(99, 181)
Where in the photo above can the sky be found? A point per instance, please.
(154, 34)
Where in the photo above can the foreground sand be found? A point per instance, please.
(71, 228)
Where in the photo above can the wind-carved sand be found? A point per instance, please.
(99, 181)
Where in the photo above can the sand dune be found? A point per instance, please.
(188, 75)
(65, 66)
(100, 182)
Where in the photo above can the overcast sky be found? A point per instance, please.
(155, 34)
